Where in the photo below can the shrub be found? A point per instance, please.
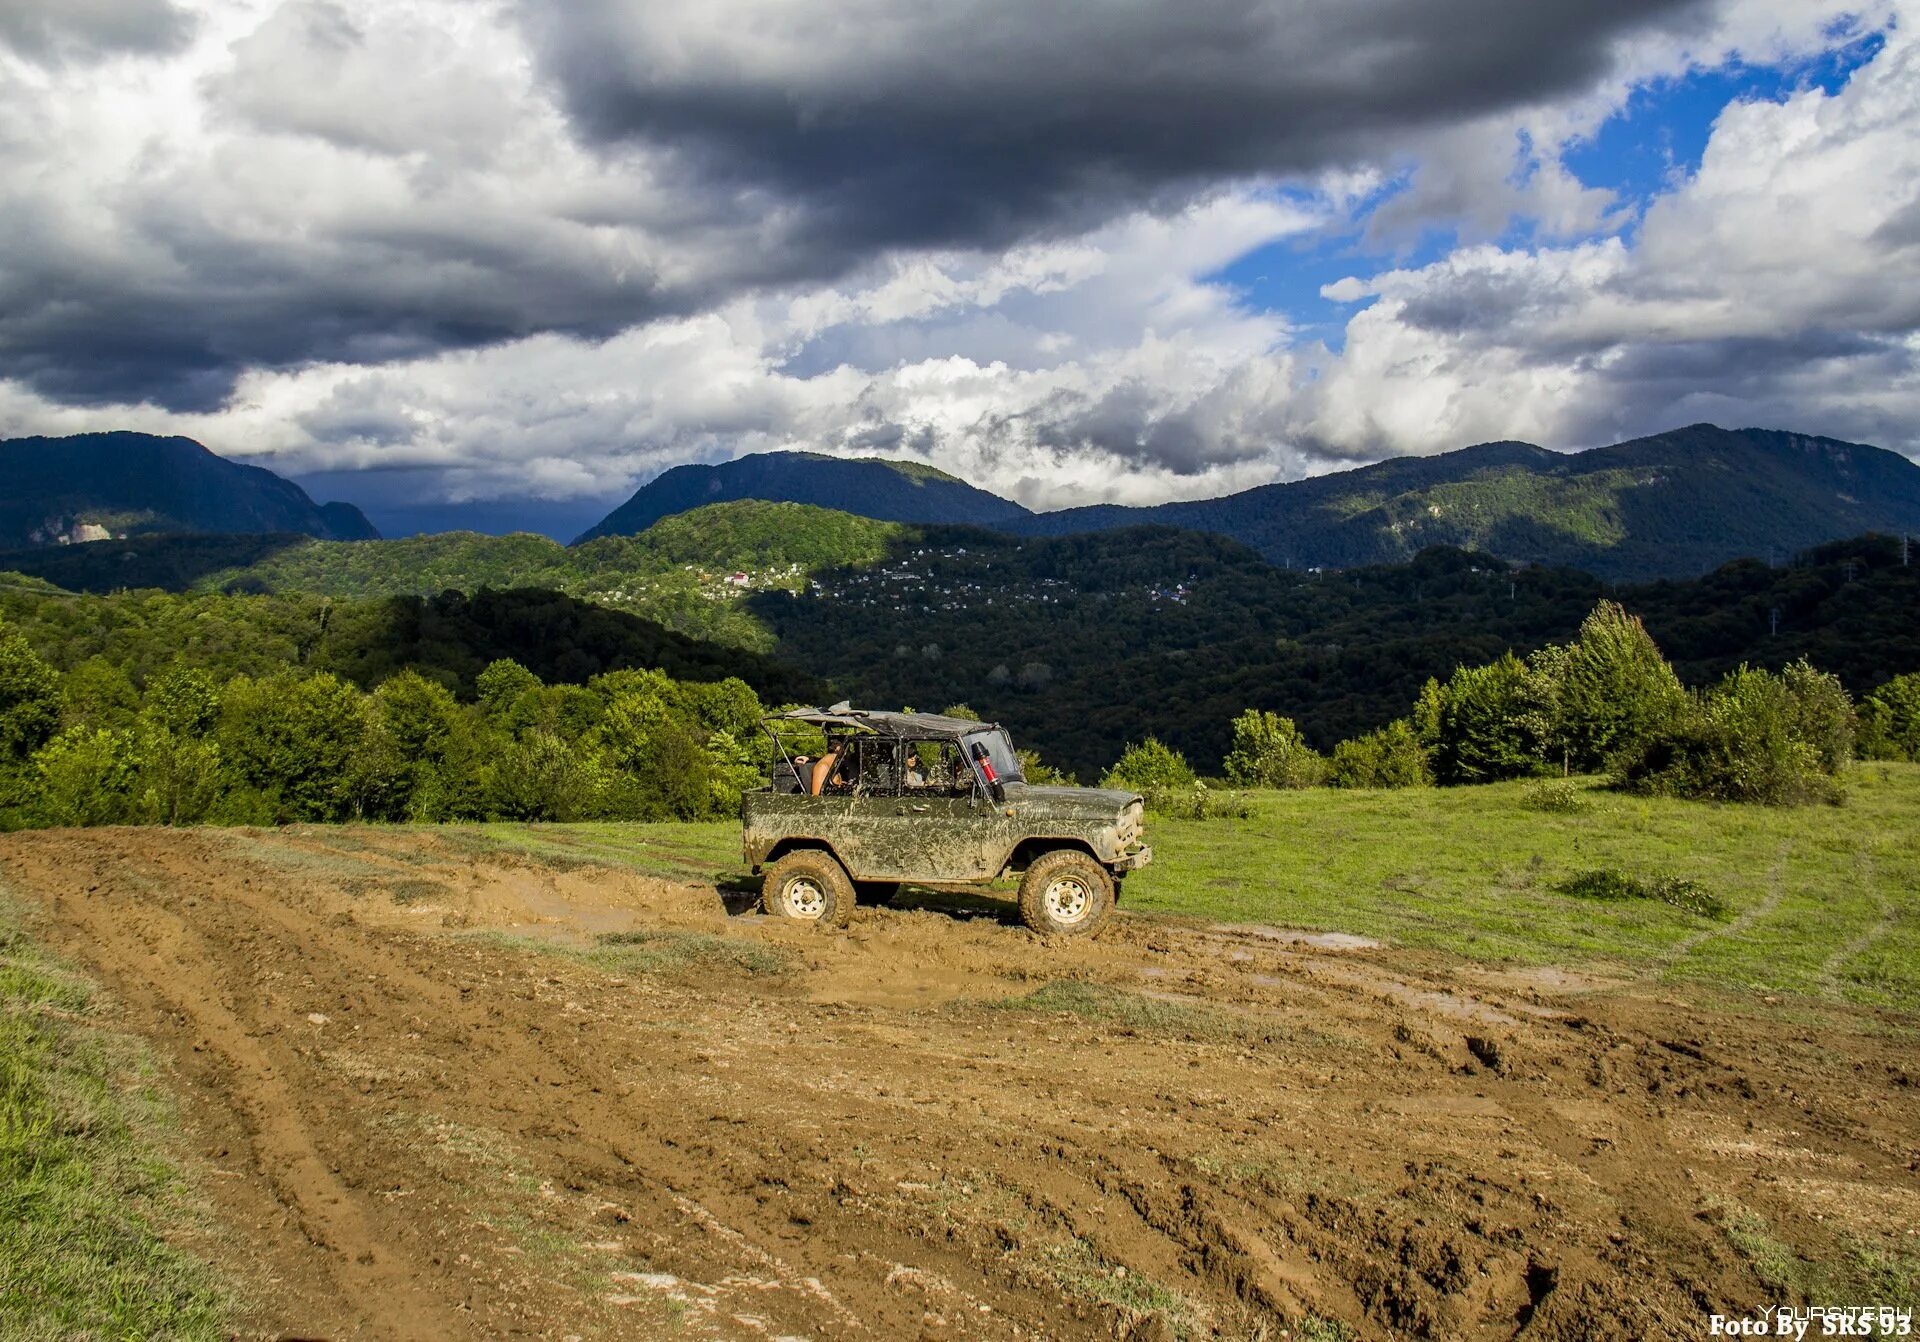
(1607, 689)
(1754, 737)
(504, 681)
(1389, 757)
(1198, 802)
(1890, 720)
(294, 739)
(1820, 713)
(184, 701)
(180, 781)
(1607, 883)
(1484, 724)
(1556, 796)
(1038, 772)
(29, 699)
(85, 776)
(1268, 751)
(1150, 765)
(98, 693)
(541, 777)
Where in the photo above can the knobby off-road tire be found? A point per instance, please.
(1067, 894)
(808, 886)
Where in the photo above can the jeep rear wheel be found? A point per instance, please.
(1066, 893)
(809, 886)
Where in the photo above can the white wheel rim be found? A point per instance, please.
(804, 898)
(1068, 900)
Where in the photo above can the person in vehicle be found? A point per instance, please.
(823, 768)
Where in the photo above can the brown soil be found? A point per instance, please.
(411, 1131)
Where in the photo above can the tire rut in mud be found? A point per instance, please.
(413, 1133)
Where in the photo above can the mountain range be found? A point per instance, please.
(1675, 504)
(95, 486)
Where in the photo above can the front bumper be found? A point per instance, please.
(1135, 860)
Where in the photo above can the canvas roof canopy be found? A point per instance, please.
(906, 726)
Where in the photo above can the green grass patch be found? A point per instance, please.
(1862, 1274)
(84, 1189)
(1077, 1268)
(1607, 883)
(1820, 903)
(700, 851)
(657, 952)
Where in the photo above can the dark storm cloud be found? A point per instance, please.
(53, 30)
(82, 332)
(782, 144)
(977, 122)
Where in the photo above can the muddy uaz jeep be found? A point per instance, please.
(916, 798)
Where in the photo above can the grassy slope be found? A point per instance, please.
(1823, 902)
(83, 1190)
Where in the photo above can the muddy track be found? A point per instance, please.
(411, 1131)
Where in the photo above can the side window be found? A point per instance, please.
(868, 767)
(935, 766)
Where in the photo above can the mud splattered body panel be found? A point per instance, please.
(945, 838)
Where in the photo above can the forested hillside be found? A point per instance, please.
(1080, 643)
(686, 572)
(1084, 643)
(450, 638)
(95, 485)
(893, 491)
(1673, 505)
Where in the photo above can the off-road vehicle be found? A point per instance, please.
(899, 798)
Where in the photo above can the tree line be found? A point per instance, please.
(1607, 702)
(89, 747)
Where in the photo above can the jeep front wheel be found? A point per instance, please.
(810, 886)
(1066, 893)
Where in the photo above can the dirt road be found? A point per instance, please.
(414, 1129)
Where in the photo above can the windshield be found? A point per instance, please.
(1006, 765)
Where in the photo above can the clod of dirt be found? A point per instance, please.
(1488, 1052)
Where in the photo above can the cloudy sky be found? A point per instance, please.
(496, 263)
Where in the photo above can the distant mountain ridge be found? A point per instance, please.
(1676, 504)
(93, 486)
(1672, 505)
(887, 491)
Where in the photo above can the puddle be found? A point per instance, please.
(1326, 941)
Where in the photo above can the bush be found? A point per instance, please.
(1268, 751)
(541, 777)
(1198, 802)
(1613, 688)
(29, 699)
(1387, 758)
(1607, 883)
(85, 776)
(1555, 796)
(1754, 737)
(1148, 766)
(294, 740)
(1890, 720)
(1485, 723)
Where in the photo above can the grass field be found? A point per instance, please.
(82, 1182)
(1819, 902)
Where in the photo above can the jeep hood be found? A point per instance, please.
(1092, 801)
